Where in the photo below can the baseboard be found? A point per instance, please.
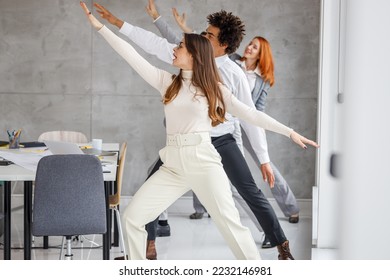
(184, 205)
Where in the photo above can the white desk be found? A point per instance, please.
(16, 173)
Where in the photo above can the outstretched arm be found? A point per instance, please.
(258, 118)
(265, 166)
(157, 78)
(146, 40)
(165, 30)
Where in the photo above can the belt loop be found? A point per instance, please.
(178, 139)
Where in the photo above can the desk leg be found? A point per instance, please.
(107, 235)
(7, 220)
(27, 219)
(116, 231)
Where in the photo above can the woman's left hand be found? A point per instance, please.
(301, 141)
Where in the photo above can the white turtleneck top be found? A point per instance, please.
(188, 112)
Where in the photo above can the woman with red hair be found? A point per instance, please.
(258, 64)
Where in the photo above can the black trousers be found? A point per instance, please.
(241, 178)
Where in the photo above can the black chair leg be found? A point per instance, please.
(46, 242)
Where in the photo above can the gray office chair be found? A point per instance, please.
(64, 136)
(69, 197)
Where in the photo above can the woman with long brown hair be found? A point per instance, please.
(194, 101)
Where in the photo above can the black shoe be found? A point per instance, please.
(266, 243)
(121, 258)
(196, 216)
(293, 219)
(163, 231)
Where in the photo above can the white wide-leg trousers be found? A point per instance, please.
(190, 162)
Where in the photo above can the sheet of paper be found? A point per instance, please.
(26, 158)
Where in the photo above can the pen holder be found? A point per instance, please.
(14, 142)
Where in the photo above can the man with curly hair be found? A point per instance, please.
(225, 32)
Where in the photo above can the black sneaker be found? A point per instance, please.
(266, 243)
(163, 231)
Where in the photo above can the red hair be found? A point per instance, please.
(266, 61)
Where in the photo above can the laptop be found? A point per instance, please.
(67, 148)
(63, 148)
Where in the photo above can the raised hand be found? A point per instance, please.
(181, 21)
(94, 22)
(107, 15)
(301, 141)
(152, 10)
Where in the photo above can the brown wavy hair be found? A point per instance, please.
(205, 77)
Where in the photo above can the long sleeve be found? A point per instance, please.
(149, 42)
(251, 115)
(157, 78)
(260, 103)
(258, 140)
(167, 31)
(256, 135)
(238, 135)
(260, 92)
(259, 100)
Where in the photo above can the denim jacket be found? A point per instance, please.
(260, 91)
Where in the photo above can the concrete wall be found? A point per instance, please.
(56, 73)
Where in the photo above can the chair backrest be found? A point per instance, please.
(115, 199)
(69, 196)
(65, 136)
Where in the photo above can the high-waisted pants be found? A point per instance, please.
(241, 178)
(190, 163)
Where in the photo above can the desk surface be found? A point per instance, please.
(15, 172)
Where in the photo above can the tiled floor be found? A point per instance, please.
(190, 239)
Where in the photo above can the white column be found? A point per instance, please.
(365, 191)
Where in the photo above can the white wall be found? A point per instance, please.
(365, 210)
(325, 193)
(57, 73)
(353, 209)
